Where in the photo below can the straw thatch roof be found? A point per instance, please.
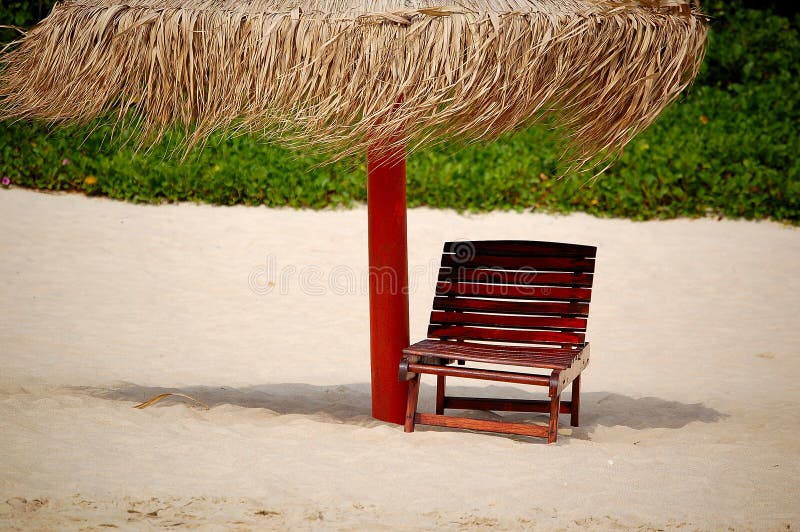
(343, 73)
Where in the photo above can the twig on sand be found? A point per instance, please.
(160, 397)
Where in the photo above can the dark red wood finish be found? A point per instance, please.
(508, 303)
(499, 277)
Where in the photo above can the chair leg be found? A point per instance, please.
(440, 386)
(574, 417)
(552, 431)
(411, 403)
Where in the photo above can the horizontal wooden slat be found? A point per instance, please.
(542, 293)
(501, 277)
(504, 405)
(505, 335)
(510, 307)
(555, 264)
(482, 374)
(482, 424)
(519, 248)
(516, 322)
(468, 347)
(511, 355)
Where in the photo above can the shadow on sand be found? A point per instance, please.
(351, 404)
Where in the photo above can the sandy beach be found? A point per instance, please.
(690, 413)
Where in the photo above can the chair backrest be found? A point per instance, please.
(513, 291)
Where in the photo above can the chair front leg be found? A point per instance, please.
(411, 403)
(555, 406)
(552, 431)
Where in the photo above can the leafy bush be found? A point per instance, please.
(728, 148)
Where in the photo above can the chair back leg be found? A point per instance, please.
(440, 388)
(574, 417)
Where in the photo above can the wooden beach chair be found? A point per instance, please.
(505, 303)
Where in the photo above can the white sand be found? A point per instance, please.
(690, 410)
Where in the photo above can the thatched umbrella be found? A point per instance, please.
(378, 75)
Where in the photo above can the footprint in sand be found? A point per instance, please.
(23, 505)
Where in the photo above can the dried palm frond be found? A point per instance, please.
(344, 74)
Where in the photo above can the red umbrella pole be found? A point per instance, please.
(388, 278)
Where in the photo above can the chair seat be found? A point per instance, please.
(512, 355)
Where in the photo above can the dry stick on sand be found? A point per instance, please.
(343, 74)
(160, 397)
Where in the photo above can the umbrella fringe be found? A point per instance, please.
(303, 73)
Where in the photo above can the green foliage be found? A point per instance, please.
(749, 46)
(226, 172)
(728, 148)
(21, 13)
(731, 153)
